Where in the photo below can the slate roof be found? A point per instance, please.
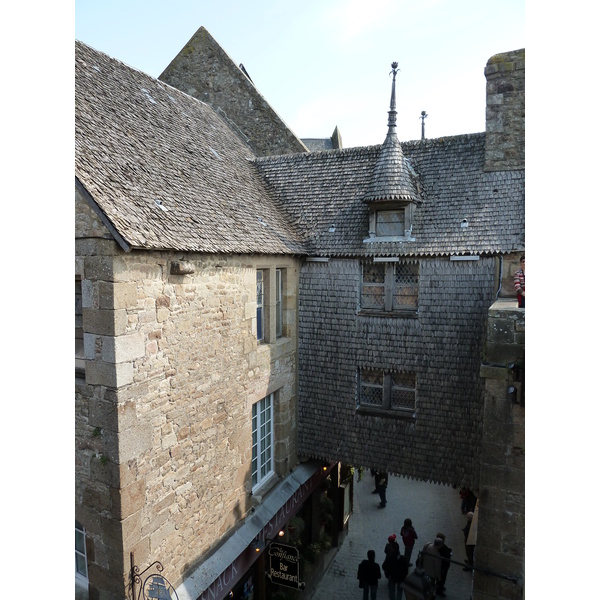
(140, 143)
(326, 190)
(392, 178)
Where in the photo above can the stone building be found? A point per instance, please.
(227, 275)
(186, 338)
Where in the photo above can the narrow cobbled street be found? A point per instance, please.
(432, 508)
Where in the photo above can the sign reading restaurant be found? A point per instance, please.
(284, 565)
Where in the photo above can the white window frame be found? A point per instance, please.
(263, 443)
(260, 306)
(80, 553)
(278, 302)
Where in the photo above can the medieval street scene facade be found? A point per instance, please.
(282, 342)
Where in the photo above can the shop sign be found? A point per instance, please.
(284, 565)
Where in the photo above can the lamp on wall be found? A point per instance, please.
(260, 545)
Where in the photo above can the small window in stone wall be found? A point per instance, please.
(81, 572)
(262, 440)
(278, 302)
(388, 391)
(79, 354)
(390, 286)
(260, 309)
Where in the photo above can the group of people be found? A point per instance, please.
(434, 560)
(395, 565)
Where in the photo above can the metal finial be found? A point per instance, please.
(424, 115)
(392, 111)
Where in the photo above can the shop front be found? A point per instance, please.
(277, 549)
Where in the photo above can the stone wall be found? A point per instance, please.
(505, 111)
(163, 417)
(501, 529)
(203, 70)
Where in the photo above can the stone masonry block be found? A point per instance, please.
(123, 348)
(128, 500)
(104, 322)
(109, 374)
(135, 441)
(117, 295)
(500, 331)
(103, 414)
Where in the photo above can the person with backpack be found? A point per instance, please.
(409, 536)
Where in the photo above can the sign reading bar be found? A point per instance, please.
(284, 566)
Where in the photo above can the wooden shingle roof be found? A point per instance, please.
(165, 169)
(464, 210)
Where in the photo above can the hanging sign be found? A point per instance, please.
(284, 566)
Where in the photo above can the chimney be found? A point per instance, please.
(505, 111)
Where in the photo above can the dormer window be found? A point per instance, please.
(390, 221)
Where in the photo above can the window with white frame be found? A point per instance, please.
(81, 572)
(262, 440)
(390, 286)
(260, 308)
(278, 303)
(389, 391)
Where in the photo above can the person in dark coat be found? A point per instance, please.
(409, 535)
(381, 481)
(398, 570)
(391, 550)
(446, 554)
(369, 575)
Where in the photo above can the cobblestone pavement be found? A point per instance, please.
(431, 507)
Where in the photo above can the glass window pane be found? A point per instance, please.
(406, 286)
(79, 541)
(80, 564)
(389, 222)
(373, 286)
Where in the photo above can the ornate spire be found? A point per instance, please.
(392, 112)
(391, 178)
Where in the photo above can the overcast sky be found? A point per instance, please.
(326, 63)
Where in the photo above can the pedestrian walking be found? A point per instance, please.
(381, 482)
(391, 550)
(446, 554)
(469, 548)
(409, 536)
(397, 572)
(368, 576)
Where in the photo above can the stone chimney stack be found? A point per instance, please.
(505, 111)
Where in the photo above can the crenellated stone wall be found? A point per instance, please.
(505, 111)
(501, 530)
(163, 416)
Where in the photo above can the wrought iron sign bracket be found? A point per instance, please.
(149, 584)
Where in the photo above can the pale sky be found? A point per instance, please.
(326, 63)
